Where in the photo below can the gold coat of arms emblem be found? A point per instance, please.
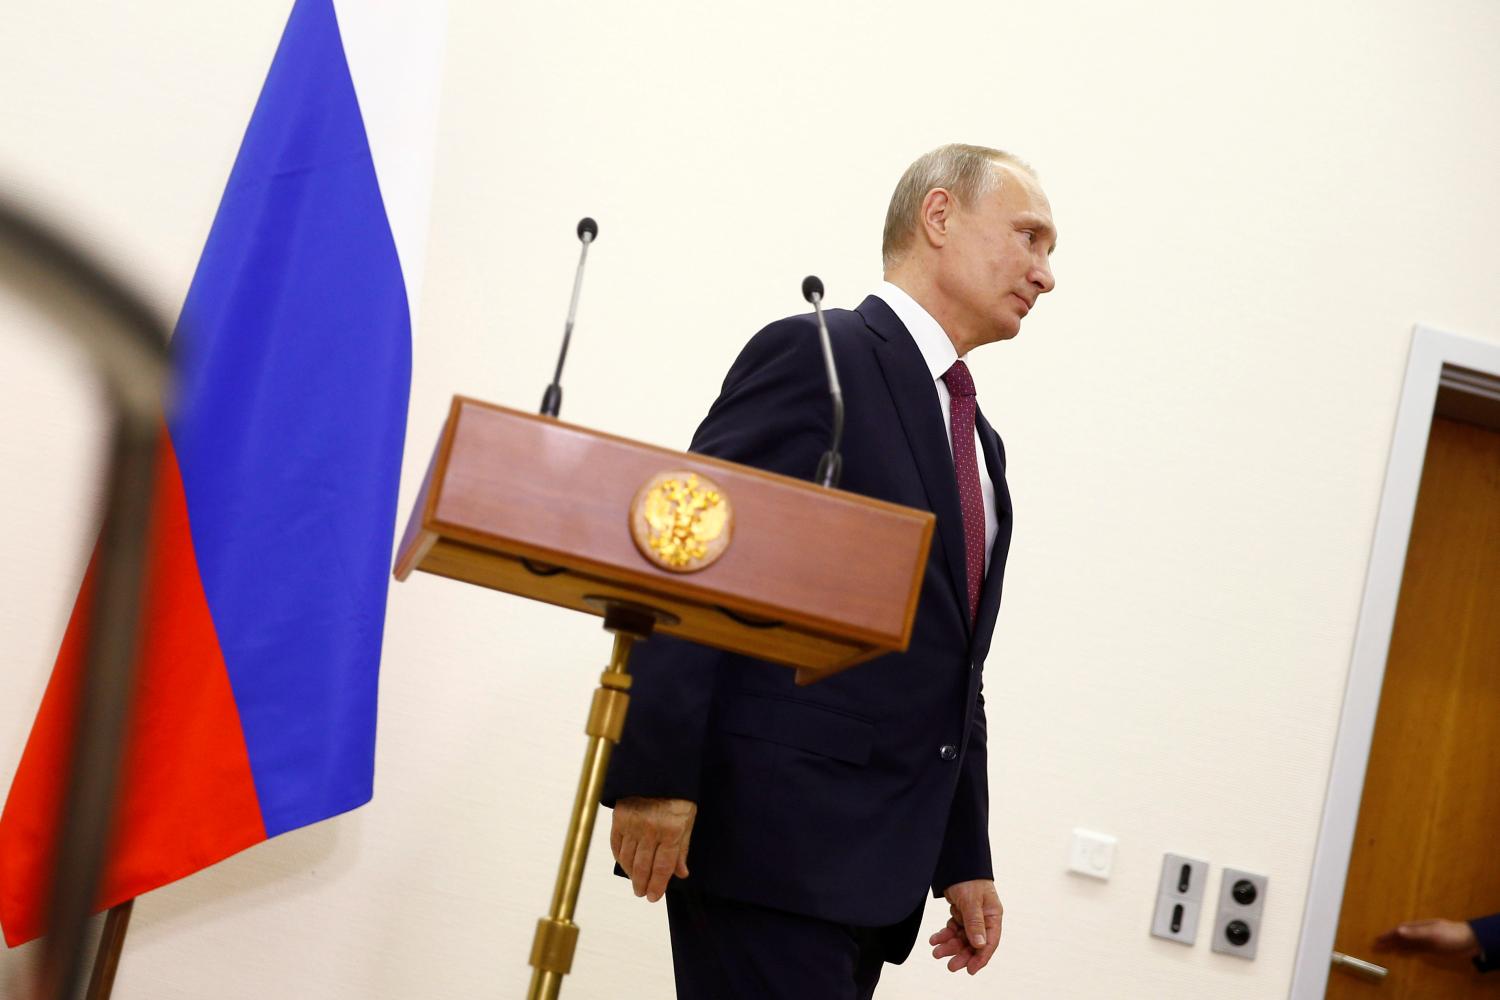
(681, 521)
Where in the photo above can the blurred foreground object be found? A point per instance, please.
(127, 341)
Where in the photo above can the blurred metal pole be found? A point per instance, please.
(128, 342)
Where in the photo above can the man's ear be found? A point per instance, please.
(937, 212)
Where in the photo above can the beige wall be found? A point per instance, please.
(1256, 203)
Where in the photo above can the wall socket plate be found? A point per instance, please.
(1179, 898)
(1242, 898)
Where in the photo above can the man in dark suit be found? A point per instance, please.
(796, 831)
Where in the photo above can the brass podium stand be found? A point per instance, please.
(656, 540)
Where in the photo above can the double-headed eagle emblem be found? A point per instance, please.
(681, 521)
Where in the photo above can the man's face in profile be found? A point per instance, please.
(997, 263)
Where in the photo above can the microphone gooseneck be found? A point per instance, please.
(831, 465)
(588, 231)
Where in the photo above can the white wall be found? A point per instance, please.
(1255, 203)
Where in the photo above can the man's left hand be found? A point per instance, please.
(973, 928)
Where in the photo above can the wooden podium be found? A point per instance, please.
(653, 539)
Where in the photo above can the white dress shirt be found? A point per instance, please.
(939, 353)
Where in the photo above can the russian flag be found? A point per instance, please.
(281, 455)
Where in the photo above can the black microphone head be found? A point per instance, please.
(588, 227)
(812, 285)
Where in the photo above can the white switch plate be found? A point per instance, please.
(1093, 854)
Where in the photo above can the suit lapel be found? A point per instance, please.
(989, 594)
(921, 416)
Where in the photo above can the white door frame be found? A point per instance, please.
(1431, 351)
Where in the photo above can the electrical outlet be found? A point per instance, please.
(1179, 898)
(1242, 898)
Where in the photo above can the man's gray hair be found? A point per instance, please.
(966, 172)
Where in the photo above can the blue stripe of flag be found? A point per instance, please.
(295, 353)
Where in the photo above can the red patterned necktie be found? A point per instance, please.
(961, 407)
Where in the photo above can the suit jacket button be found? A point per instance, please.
(948, 751)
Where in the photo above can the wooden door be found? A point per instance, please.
(1428, 839)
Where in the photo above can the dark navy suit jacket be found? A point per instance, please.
(849, 798)
(1486, 930)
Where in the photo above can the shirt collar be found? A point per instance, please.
(937, 350)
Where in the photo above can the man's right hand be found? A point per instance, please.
(649, 838)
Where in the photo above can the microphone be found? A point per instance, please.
(588, 231)
(831, 465)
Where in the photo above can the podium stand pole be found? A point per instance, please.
(556, 935)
